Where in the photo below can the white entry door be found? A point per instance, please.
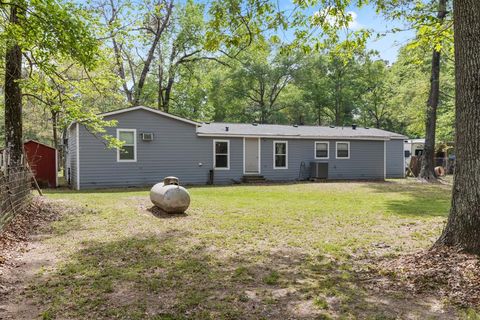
(252, 156)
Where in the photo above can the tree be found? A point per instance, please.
(313, 78)
(13, 95)
(260, 82)
(375, 102)
(40, 31)
(135, 35)
(462, 229)
(427, 171)
(182, 46)
(69, 91)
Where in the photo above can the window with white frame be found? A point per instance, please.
(128, 152)
(221, 150)
(321, 149)
(343, 150)
(280, 155)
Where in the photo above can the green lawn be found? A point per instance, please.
(241, 252)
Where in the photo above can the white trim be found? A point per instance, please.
(227, 135)
(215, 155)
(385, 160)
(336, 150)
(315, 150)
(134, 145)
(78, 155)
(56, 168)
(286, 154)
(259, 156)
(168, 115)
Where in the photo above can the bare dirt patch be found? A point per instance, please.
(22, 254)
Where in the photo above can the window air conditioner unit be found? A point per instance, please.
(147, 136)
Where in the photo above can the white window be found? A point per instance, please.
(343, 150)
(280, 155)
(128, 152)
(221, 154)
(321, 149)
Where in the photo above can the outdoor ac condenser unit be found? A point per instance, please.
(319, 170)
(147, 136)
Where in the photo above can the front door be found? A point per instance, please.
(252, 155)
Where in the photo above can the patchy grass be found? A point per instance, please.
(240, 252)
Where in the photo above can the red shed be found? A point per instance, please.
(43, 162)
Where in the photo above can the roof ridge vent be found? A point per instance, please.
(295, 125)
(254, 124)
(331, 126)
(367, 128)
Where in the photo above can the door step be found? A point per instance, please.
(253, 179)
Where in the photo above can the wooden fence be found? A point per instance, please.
(15, 186)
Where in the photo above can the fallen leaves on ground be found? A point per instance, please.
(441, 271)
(36, 213)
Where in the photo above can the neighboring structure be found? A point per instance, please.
(413, 147)
(42, 159)
(158, 144)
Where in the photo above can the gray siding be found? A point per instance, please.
(395, 159)
(236, 160)
(177, 150)
(366, 160)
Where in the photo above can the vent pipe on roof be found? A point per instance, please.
(295, 125)
(354, 126)
(227, 128)
(254, 124)
(332, 126)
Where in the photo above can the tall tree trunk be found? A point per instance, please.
(55, 137)
(160, 86)
(55, 129)
(13, 95)
(162, 24)
(121, 70)
(168, 94)
(463, 228)
(427, 171)
(319, 116)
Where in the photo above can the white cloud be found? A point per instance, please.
(333, 18)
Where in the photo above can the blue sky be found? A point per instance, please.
(388, 45)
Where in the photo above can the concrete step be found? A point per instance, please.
(253, 179)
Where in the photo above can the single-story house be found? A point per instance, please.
(159, 144)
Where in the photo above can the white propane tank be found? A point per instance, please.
(169, 196)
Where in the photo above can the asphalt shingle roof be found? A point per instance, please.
(288, 131)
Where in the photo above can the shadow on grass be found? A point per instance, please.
(167, 277)
(159, 213)
(420, 199)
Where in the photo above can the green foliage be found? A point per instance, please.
(410, 83)
(228, 62)
(65, 65)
